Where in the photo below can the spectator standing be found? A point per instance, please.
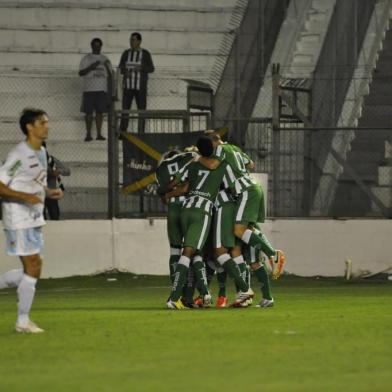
(94, 68)
(135, 65)
(56, 169)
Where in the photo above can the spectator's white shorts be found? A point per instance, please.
(24, 242)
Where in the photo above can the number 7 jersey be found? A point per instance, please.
(204, 185)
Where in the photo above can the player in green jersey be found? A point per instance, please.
(250, 207)
(170, 165)
(202, 185)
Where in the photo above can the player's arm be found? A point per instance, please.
(7, 193)
(179, 190)
(249, 164)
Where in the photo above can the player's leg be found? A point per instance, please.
(11, 279)
(199, 270)
(174, 233)
(26, 291)
(249, 211)
(27, 244)
(252, 257)
(223, 240)
(195, 225)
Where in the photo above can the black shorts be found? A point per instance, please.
(95, 101)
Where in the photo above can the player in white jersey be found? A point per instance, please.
(23, 189)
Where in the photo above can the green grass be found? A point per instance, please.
(322, 335)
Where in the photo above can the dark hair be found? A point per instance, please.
(29, 116)
(205, 146)
(171, 153)
(97, 40)
(137, 35)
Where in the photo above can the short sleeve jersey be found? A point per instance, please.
(237, 161)
(204, 185)
(25, 170)
(95, 80)
(169, 167)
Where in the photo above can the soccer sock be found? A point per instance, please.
(175, 254)
(221, 276)
(180, 277)
(258, 240)
(263, 278)
(189, 288)
(199, 270)
(248, 275)
(26, 291)
(11, 278)
(210, 270)
(233, 271)
(239, 260)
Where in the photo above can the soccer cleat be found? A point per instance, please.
(265, 303)
(207, 301)
(242, 297)
(277, 264)
(198, 301)
(28, 327)
(175, 305)
(221, 302)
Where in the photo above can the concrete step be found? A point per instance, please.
(87, 177)
(70, 104)
(192, 60)
(79, 19)
(173, 5)
(69, 151)
(19, 84)
(79, 41)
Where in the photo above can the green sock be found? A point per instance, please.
(180, 277)
(210, 271)
(263, 278)
(172, 265)
(233, 271)
(258, 240)
(221, 278)
(189, 289)
(199, 270)
(242, 267)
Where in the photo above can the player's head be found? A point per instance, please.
(214, 136)
(205, 146)
(171, 153)
(34, 123)
(96, 45)
(135, 40)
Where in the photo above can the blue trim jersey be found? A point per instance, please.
(25, 170)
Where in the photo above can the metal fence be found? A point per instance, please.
(354, 179)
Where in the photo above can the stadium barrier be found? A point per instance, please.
(316, 247)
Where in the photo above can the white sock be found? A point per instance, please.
(26, 291)
(11, 278)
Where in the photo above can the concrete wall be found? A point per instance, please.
(313, 247)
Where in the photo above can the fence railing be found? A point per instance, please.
(356, 181)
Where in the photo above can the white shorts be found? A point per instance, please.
(24, 242)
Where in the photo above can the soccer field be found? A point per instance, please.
(322, 335)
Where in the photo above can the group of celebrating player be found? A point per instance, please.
(214, 207)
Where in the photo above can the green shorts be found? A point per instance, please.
(250, 206)
(195, 225)
(174, 231)
(224, 226)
